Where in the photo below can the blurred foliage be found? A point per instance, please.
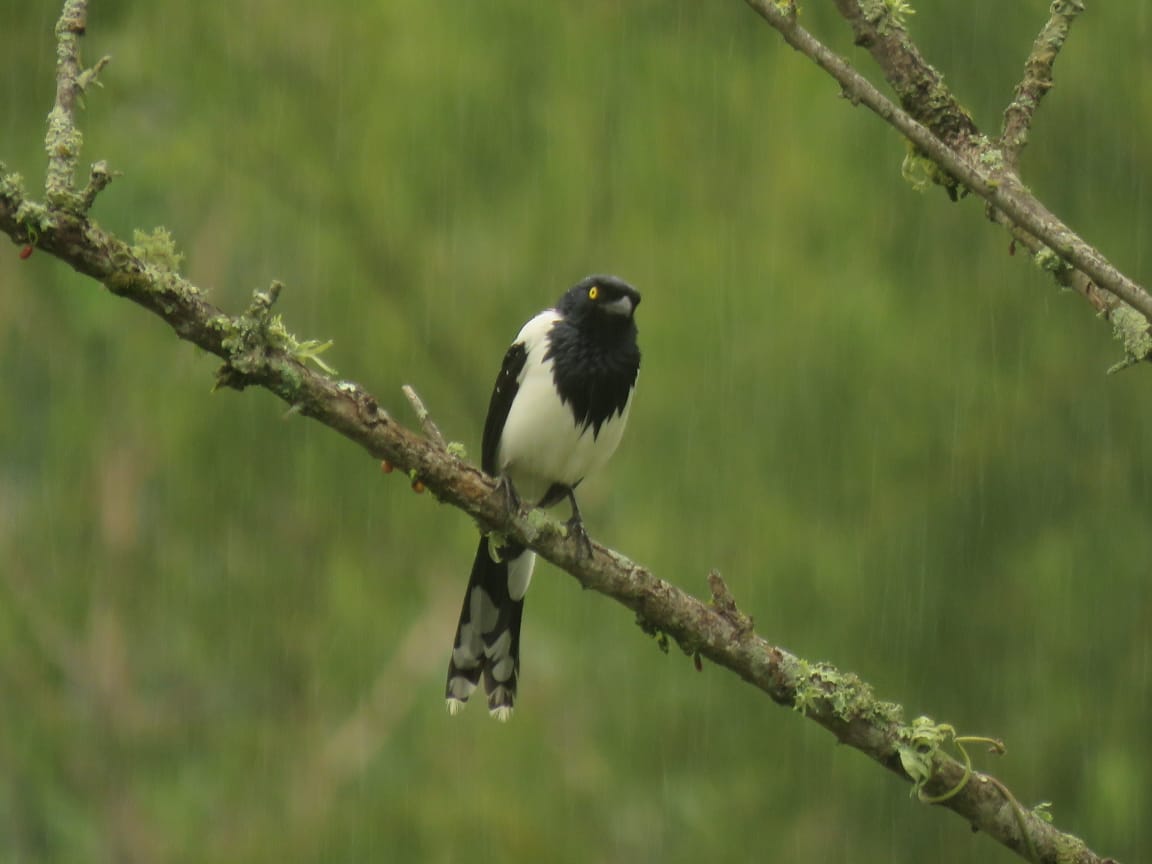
(223, 634)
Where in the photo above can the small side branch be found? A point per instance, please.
(427, 424)
(98, 180)
(1037, 79)
(63, 140)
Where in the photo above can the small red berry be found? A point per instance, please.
(386, 467)
(417, 486)
(26, 253)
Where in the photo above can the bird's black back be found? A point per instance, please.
(500, 404)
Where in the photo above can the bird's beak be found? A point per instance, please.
(625, 306)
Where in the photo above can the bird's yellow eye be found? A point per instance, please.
(593, 292)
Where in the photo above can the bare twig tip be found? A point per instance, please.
(431, 430)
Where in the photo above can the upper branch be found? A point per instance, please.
(967, 156)
(63, 141)
(1037, 79)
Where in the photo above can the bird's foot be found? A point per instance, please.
(574, 527)
(511, 496)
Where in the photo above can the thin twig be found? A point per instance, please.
(98, 180)
(63, 140)
(1037, 79)
(426, 422)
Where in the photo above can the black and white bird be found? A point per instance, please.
(557, 413)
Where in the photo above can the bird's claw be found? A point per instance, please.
(511, 496)
(575, 528)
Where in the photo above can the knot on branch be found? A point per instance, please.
(98, 180)
(725, 604)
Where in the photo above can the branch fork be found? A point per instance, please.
(940, 129)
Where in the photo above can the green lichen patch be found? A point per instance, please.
(991, 157)
(921, 173)
(918, 171)
(1131, 328)
(1047, 259)
(886, 14)
(31, 216)
(1070, 849)
(537, 522)
(64, 140)
(11, 185)
(821, 684)
(250, 337)
(157, 249)
(899, 11)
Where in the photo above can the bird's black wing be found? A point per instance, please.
(507, 385)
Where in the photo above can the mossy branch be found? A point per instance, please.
(257, 350)
(1037, 79)
(880, 26)
(939, 129)
(63, 140)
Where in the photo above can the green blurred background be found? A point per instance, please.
(223, 634)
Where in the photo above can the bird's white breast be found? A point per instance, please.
(541, 443)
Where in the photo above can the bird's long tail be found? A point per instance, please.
(488, 635)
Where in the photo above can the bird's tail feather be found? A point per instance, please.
(487, 640)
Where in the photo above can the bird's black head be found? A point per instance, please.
(592, 346)
(606, 300)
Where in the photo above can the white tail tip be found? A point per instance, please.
(455, 706)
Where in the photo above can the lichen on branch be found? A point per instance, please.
(1037, 79)
(939, 129)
